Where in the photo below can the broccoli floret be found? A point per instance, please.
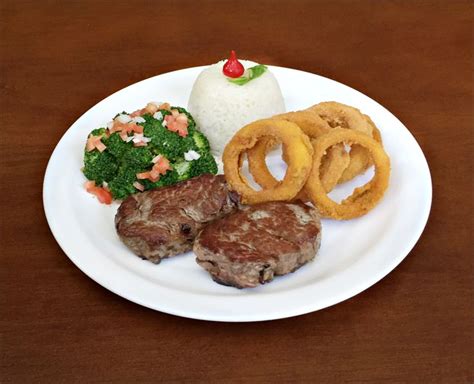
(205, 164)
(122, 161)
(116, 146)
(138, 158)
(201, 141)
(98, 132)
(122, 185)
(133, 161)
(99, 166)
(165, 142)
(182, 169)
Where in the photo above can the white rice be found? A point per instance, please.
(221, 108)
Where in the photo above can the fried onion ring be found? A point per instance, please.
(296, 145)
(364, 198)
(344, 116)
(312, 125)
(360, 159)
(333, 166)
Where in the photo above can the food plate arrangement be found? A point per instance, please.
(354, 254)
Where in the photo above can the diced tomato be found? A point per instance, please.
(182, 118)
(151, 108)
(177, 123)
(117, 127)
(104, 195)
(94, 142)
(154, 175)
(127, 128)
(137, 128)
(143, 175)
(182, 131)
(156, 159)
(90, 145)
(162, 165)
(89, 184)
(100, 146)
(171, 126)
(165, 106)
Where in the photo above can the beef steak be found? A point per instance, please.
(164, 222)
(250, 246)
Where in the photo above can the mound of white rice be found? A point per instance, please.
(221, 108)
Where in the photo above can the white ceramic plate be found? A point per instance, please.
(354, 254)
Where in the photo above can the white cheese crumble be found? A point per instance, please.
(138, 138)
(158, 115)
(191, 155)
(124, 119)
(139, 119)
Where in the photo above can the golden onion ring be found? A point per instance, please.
(360, 159)
(339, 115)
(364, 198)
(333, 165)
(312, 125)
(298, 150)
(344, 116)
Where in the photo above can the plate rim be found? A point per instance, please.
(347, 294)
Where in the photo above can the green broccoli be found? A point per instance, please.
(134, 160)
(119, 164)
(201, 142)
(99, 166)
(138, 158)
(116, 146)
(98, 132)
(163, 141)
(205, 164)
(122, 185)
(182, 169)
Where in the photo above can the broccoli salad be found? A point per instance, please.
(156, 146)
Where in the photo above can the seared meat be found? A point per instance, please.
(251, 246)
(164, 222)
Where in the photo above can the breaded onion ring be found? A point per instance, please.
(344, 116)
(313, 126)
(333, 166)
(298, 150)
(360, 159)
(339, 115)
(364, 198)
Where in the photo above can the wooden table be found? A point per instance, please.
(60, 58)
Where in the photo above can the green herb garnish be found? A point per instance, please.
(250, 74)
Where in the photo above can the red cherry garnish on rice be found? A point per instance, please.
(232, 67)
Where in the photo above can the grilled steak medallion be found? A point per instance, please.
(249, 247)
(164, 222)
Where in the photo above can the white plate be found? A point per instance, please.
(354, 254)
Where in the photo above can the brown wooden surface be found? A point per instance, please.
(60, 58)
